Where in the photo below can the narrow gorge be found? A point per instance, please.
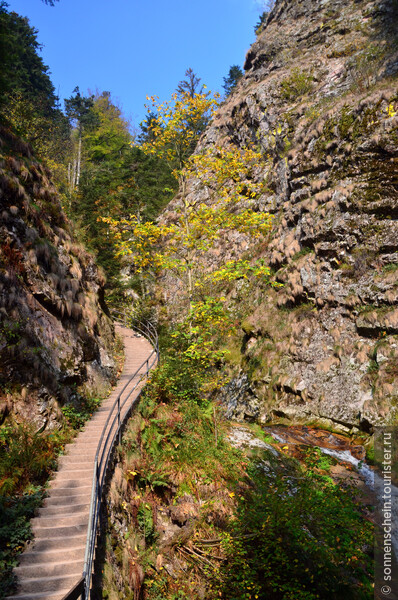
(258, 235)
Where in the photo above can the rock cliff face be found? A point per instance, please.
(320, 99)
(55, 339)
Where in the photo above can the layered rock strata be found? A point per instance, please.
(56, 340)
(320, 100)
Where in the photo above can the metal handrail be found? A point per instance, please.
(112, 430)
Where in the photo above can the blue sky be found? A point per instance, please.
(134, 49)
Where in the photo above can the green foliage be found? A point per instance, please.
(117, 178)
(28, 103)
(26, 457)
(390, 268)
(296, 85)
(364, 65)
(78, 416)
(179, 429)
(285, 532)
(177, 124)
(296, 537)
(154, 185)
(23, 70)
(227, 176)
(11, 331)
(78, 110)
(15, 530)
(260, 23)
(234, 74)
(105, 178)
(145, 522)
(303, 252)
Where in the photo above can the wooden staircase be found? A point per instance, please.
(54, 562)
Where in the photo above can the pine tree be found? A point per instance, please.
(78, 110)
(234, 74)
(28, 103)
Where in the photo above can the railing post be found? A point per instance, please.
(118, 420)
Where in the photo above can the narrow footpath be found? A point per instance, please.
(54, 562)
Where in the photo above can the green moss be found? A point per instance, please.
(303, 252)
(247, 327)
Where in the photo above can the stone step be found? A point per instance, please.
(78, 458)
(78, 475)
(56, 543)
(93, 435)
(72, 465)
(59, 595)
(58, 555)
(48, 584)
(65, 492)
(82, 445)
(94, 424)
(62, 533)
(64, 510)
(50, 569)
(54, 521)
(80, 450)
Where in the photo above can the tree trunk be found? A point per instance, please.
(79, 158)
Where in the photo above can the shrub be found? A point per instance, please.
(15, 530)
(296, 537)
(296, 85)
(77, 416)
(26, 457)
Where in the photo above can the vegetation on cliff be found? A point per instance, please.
(190, 516)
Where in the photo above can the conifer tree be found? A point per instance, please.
(28, 103)
(234, 74)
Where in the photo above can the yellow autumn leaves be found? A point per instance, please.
(219, 189)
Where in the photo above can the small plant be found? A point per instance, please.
(77, 417)
(296, 85)
(11, 330)
(390, 268)
(363, 66)
(303, 252)
(315, 459)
